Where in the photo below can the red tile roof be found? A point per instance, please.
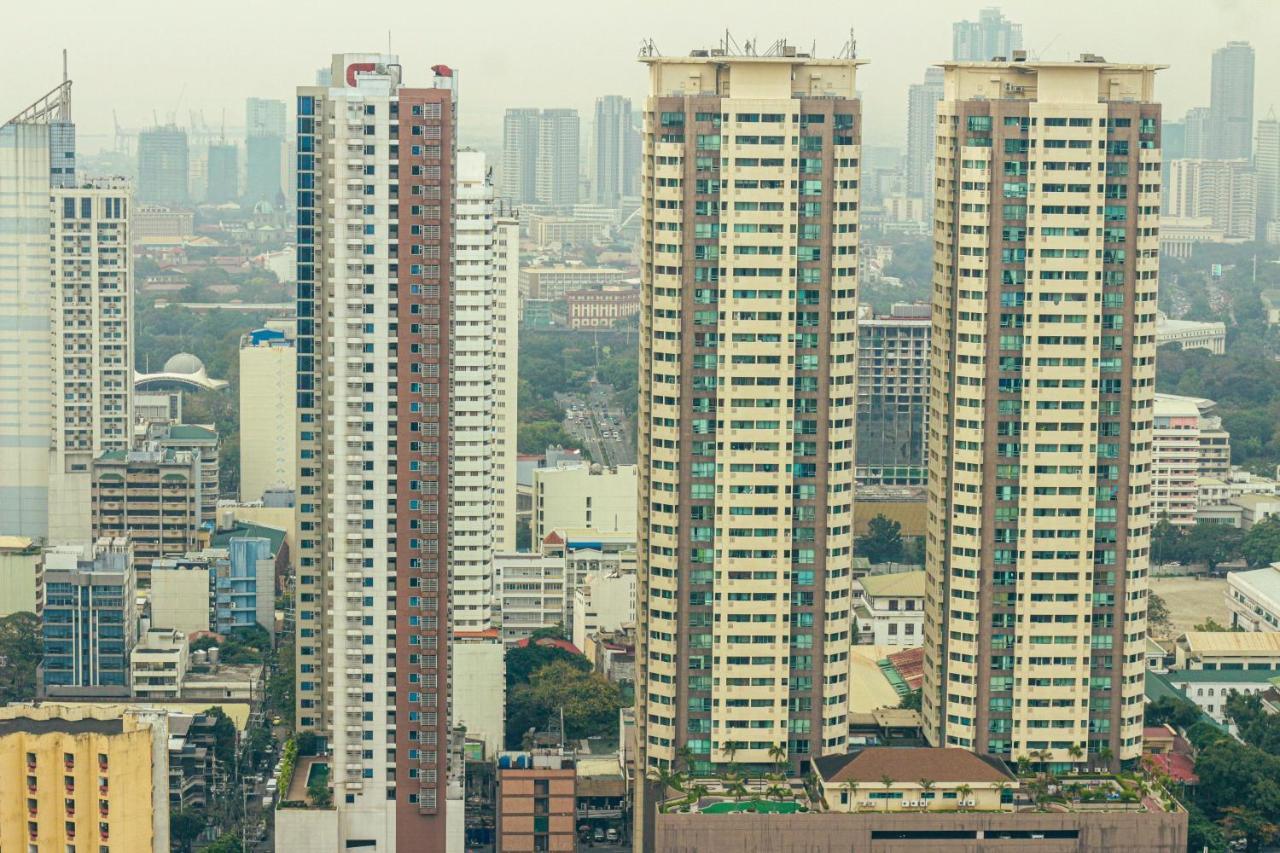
(910, 665)
(1181, 768)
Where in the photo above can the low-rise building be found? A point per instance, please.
(1210, 689)
(888, 779)
(159, 665)
(1255, 508)
(553, 282)
(601, 308)
(1190, 334)
(546, 230)
(202, 441)
(180, 597)
(154, 496)
(891, 606)
(1188, 445)
(1253, 598)
(1228, 650)
(479, 688)
(95, 779)
(536, 801)
(530, 593)
(605, 600)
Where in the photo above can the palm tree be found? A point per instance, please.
(776, 792)
(887, 781)
(1104, 757)
(1024, 765)
(851, 793)
(1000, 789)
(962, 793)
(697, 792)
(778, 753)
(684, 755)
(926, 785)
(737, 790)
(1076, 751)
(730, 749)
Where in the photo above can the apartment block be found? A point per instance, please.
(535, 809)
(506, 376)
(748, 360)
(268, 414)
(1188, 445)
(197, 440)
(88, 619)
(97, 778)
(1040, 426)
(553, 282)
(153, 496)
(375, 176)
(1231, 102)
(1223, 191)
(922, 105)
(91, 346)
(893, 395)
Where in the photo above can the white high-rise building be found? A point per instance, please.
(557, 176)
(1266, 162)
(91, 350)
(922, 109)
(506, 377)
(268, 434)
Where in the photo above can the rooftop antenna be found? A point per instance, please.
(850, 49)
(66, 86)
(1039, 54)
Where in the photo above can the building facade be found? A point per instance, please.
(982, 40)
(1041, 408)
(223, 184)
(268, 414)
(893, 396)
(553, 282)
(747, 364)
(1266, 162)
(1224, 191)
(520, 155)
(153, 496)
(556, 183)
(163, 165)
(583, 496)
(96, 778)
(91, 345)
(603, 308)
(506, 376)
(374, 349)
(615, 155)
(88, 618)
(1188, 445)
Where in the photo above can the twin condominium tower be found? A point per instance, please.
(1046, 188)
(1046, 196)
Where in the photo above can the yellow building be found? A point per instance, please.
(83, 779)
(748, 350)
(1046, 259)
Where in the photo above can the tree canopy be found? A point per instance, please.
(589, 701)
(882, 543)
(21, 650)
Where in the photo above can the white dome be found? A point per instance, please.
(184, 362)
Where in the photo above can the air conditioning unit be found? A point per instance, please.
(970, 802)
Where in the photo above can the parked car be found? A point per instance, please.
(598, 835)
(612, 834)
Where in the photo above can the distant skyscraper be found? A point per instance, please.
(748, 352)
(1231, 103)
(557, 177)
(1266, 160)
(1225, 191)
(265, 122)
(1040, 427)
(520, 156)
(374, 359)
(922, 107)
(612, 145)
(163, 168)
(223, 173)
(990, 36)
(1195, 137)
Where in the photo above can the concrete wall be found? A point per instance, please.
(819, 833)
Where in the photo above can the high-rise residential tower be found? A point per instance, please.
(1195, 139)
(1266, 161)
(91, 346)
(375, 186)
(224, 173)
(1231, 102)
(613, 143)
(268, 425)
(922, 107)
(506, 375)
(557, 178)
(746, 415)
(163, 167)
(1046, 262)
(990, 36)
(520, 155)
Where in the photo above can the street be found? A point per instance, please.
(599, 422)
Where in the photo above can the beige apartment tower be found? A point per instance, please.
(747, 404)
(1046, 261)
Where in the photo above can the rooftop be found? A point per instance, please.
(1265, 581)
(1236, 643)
(247, 530)
(947, 764)
(1221, 676)
(902, 584)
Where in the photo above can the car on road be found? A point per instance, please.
(598, 835)
(611, 834)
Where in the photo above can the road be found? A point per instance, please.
(599, 422)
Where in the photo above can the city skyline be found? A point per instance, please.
(496, 78)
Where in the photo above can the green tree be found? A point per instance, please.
(1158, 621)
(588, 700)
(1166, 542)
(228, 842)
(20, 652)
(523, 661)
(911, 701)
(1210, 625)
(1261, 546)
(185, 827)
(882, 543)
(1211, 544)
(1181, 713)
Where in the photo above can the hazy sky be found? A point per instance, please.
(175, 56)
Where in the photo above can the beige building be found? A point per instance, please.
(584, 496)
(889, 608)
(546, 230)
(96, 778)
(154, 496)
(601, 308)
(1189, 446)
(604, 601)
(159, 665)
(889, 779)
(180, 594)
(1229, 650)
(268, 414)
(1046, 265)
(19, 562)
(1225, 191)
(553, 282)
(1253, 598)
(1190, 334)
(91, 345)
(748, 352)
(155, 225)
